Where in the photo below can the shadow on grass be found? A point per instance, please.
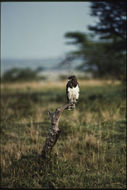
(31, 171)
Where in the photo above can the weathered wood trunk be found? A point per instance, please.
(54, 130)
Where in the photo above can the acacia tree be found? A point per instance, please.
(108, 54)
(95, 56)
(112, 22)
(111, 26)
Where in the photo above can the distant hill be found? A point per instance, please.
(45, 64)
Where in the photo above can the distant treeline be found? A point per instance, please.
(18, 74)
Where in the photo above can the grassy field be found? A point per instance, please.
(91, 149)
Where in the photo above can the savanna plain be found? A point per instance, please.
(91, 149)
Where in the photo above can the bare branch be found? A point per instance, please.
(54, 130)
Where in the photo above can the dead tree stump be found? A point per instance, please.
(54, 130)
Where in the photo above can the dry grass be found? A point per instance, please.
(28, 86)
(91, 150)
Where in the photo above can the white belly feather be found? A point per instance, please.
(73, 93)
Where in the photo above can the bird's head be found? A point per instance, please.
(72, 78)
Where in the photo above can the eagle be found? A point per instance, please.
(72, 91)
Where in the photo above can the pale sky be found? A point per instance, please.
(36, 29)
